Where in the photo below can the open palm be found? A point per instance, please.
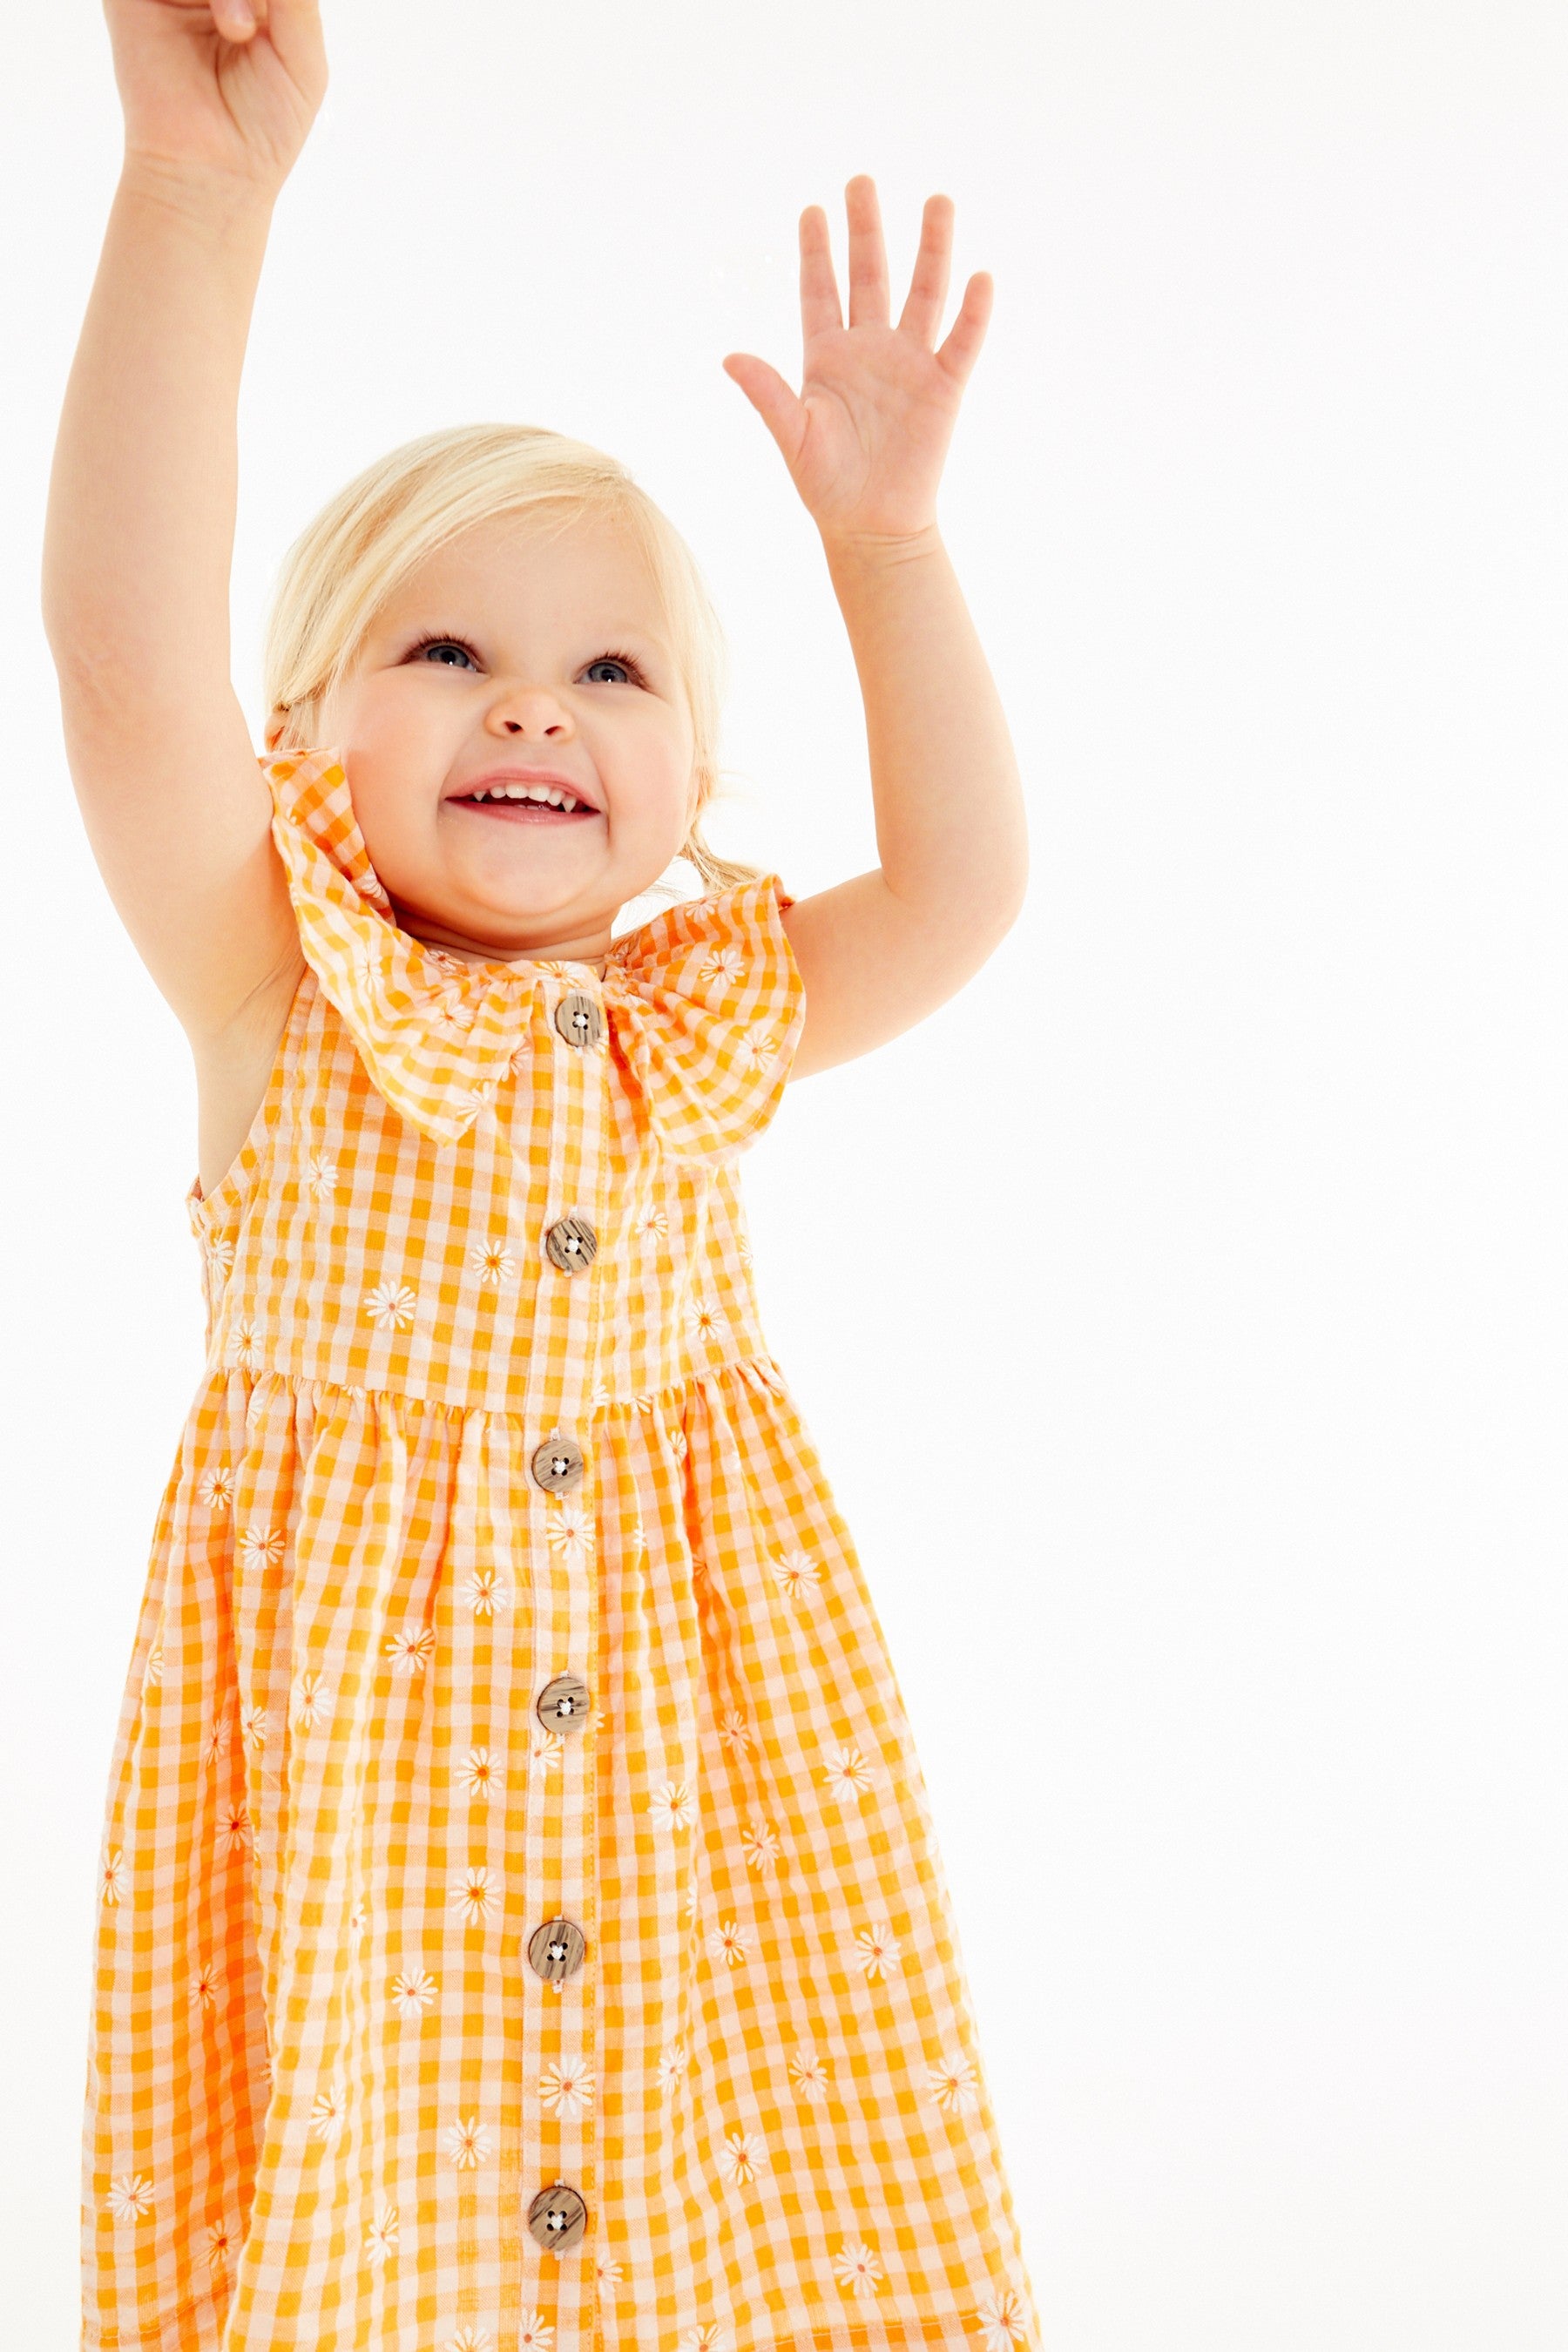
(866, 440)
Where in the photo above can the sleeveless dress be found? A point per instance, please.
(521, 1928)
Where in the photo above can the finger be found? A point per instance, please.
(819, 311)
(928, 281)
(774, 402)
(867, 255)
(962, 348)
(236, 19)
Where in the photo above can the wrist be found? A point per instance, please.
(867, 550)
(210, 201)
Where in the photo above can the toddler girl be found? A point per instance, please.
(521, 1928)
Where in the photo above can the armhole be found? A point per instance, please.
(219, 1207)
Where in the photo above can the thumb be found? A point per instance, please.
(774, 402)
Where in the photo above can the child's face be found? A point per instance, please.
(542, 616)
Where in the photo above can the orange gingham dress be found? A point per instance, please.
(326, 2085)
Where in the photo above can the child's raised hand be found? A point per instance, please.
(865, 441)
(219, 90)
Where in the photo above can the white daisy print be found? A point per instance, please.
(743, 1249)
(112, 1883)
(1001, 2320)
(390, 1306)
(320, 1176)
(364, 962)
(760, 1845)
(234, 1827)
(710, 2338)
(328, 2110)
(129, 2197)
(253, 1727)
(566, 2087)
(205, 1985)
(743, 2151)
(607, 2273)
(954, 2085)
(413, 1993)
(672, 1806)
(217, 2245)
(796, 1573)
(672, 2065)
(480, 2339)
(702, 1318)
(734, 1731)
(534, 2332)
(217, 1488)
(724, 964)
(478, 1774)
(678, 1445)
(309, 1706)
(152, 1672)
(487, 1590)
(875, 1948)
(380, 2238)
(760, 1046)
(639, 1536)
(468, 2142)
(859, 2266)
(569, 1529)
(494, 1264)
(808, 2073)
(546, 1748)
(730, 1942)
(220, 1250)
(359, 1918)
(689, 1903)
(243, 1346)
(847, 1773)
(258, 1547)
(651, 1219)
(474, 1895)
(218, 1739)
(409, 1649)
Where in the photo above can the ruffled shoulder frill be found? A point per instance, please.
(703, 1004)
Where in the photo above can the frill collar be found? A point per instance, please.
(702, 1005)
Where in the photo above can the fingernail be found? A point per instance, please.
(243, 14)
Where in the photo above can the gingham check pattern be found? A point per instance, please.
(324, 2085)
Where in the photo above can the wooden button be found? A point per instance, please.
(571, 1243)
(577, 1018)
(563, 1704)
(555, 1950)
(558, 2217)
(557, 1465)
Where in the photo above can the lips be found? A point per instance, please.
(525, 812)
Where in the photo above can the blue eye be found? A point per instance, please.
(619, 661)
(461, 644)
(457, 643)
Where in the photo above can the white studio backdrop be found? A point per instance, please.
(1179, 1311)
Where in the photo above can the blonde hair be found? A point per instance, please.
(382, 525)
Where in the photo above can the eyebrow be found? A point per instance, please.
(417, 621)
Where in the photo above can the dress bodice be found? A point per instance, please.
(465, 1177)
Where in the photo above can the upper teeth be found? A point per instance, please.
(551, 792)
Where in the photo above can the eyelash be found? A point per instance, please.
(446, 637)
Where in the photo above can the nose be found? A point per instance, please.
(531, 711)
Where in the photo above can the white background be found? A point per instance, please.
(1180, 1310)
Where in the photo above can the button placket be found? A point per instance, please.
(561, 2101)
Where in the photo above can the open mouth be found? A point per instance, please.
(523, 811)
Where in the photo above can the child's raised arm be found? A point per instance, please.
(140, 530)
